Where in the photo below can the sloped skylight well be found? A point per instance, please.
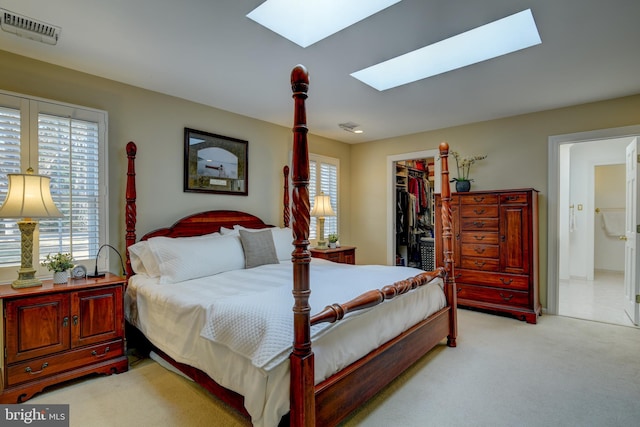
(506, 35)
(306, 22)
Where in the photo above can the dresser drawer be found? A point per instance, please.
(484, 264)
(479, 211)
(479, 250)
(480, 224)
(49, 365)
(479, 199)
(513, 198)
(486, 237)
(492, 295)
(497, 280)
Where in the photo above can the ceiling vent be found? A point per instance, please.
(29, 28)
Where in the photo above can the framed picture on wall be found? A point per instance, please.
(215, 163)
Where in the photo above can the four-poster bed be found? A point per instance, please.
(318, 390)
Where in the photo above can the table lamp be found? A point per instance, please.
(29, 197)
(321, 209)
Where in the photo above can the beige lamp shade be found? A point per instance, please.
(322, 206)
(29, 196)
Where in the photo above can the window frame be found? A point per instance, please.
(30, 107)
(335, 198)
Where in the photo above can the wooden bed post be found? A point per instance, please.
(285, 199)
(447, 238)
(130, 210)
(302, 397)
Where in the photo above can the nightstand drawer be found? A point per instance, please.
(49, 365)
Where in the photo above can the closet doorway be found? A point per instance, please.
(413, 178)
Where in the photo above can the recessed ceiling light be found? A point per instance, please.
(489, 41)
(306, 22)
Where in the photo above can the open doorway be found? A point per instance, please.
(399, 168)
(585, 279)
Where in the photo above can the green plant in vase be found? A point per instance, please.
(333, 240)
(463, 167)
(60, 264)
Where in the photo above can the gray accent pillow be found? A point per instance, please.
(258, 247)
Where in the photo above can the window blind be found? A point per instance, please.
(323, 177)
(68, 152)
(9, 163)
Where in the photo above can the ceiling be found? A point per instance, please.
(209, 52)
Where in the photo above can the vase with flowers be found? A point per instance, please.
(60, 264)
(463, 166)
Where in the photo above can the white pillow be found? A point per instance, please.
(144, 261)
(231, 232)
(188, 258)
(283, 241)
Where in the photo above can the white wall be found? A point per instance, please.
(584, 158)
(609, 199)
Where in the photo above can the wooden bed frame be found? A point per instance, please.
(330, 401)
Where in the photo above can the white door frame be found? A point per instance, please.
(553, 288)
(391, 192)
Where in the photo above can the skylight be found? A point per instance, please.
(489, 41)
(306, 22)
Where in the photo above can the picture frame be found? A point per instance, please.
(215, 164)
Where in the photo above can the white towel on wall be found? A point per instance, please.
(613, 223)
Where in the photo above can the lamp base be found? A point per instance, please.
(322, 244)
(26, 279)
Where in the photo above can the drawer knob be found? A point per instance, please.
(479, 263)
(75, 320)
(95, 353)
(478, 211)
(506, 282)
(65, 322)
(479, 237)
(478, 250)
(478, 199)
(28, 369)
(478, 224)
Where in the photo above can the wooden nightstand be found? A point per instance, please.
(54, 333)
(343, 254)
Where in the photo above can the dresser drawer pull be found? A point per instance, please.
(478, 250)
(28, 369)
(506, 298)
(478, 199)
(506, 282)
(458, 291)
(512, 198)
(75, 320)
(65, 322)
(479, 211)
(457, 276)
(478, 224)
(479, 263)
(95, 353)
(479, 237)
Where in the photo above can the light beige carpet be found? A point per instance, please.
(560, 372)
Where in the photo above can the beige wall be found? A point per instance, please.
(156, 123)
(516, 149)
(517, 158)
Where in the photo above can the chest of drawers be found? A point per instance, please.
(496, 251)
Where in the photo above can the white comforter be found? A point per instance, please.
(196, 322)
